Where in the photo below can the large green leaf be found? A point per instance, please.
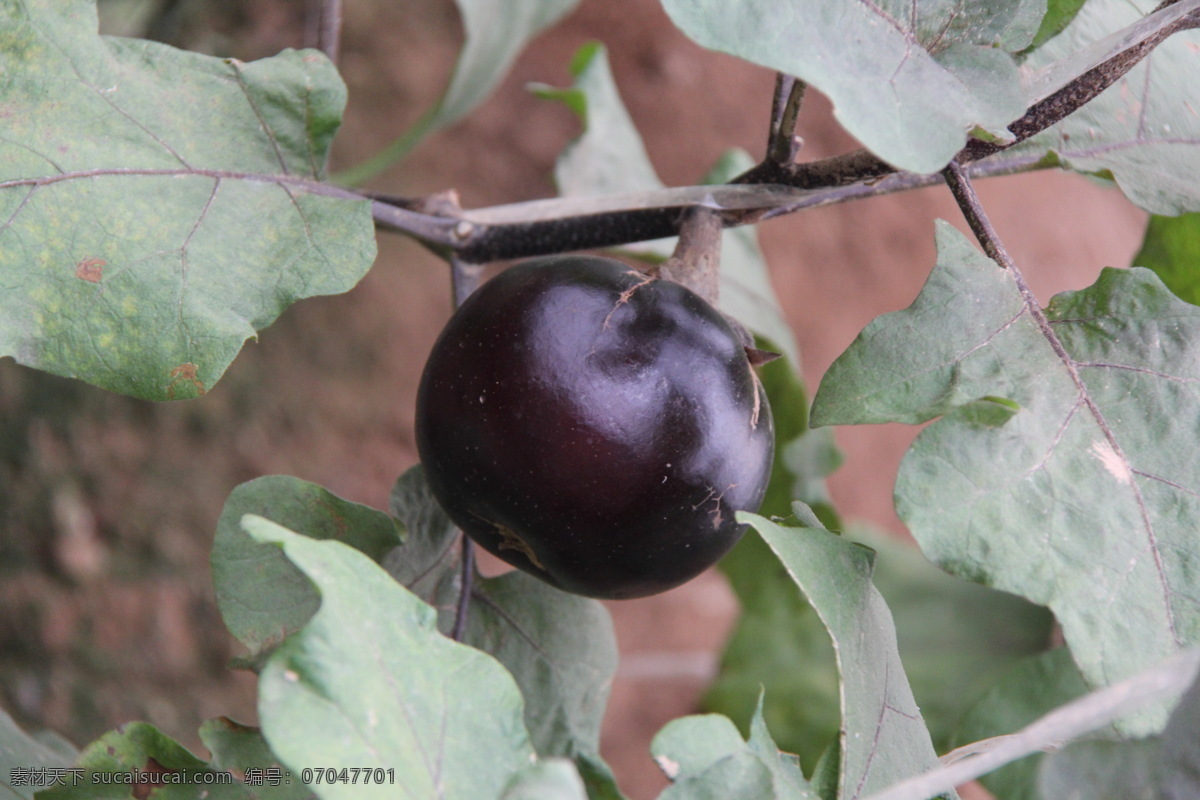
(883, 737)
(160, 207)
(496, 31)
(1142, 131)
(705, 758)
(370, 682)
(1172, 249)
(907, 79)
(1062, 469)
(262, 597)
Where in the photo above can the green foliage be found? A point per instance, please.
(191, 188)
(705, 757)
(999, 492)
(1139, 131)
(1057, 464)
(335, 676)
(1166, 766)
(907, 80)
(20, 751)
(1032, 688)
(883, 738)
(262, 596)
(1172, 249)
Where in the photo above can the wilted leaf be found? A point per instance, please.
(370, 682)
(883, 737)
(1062, 469)
(160, 207)
(908, 80)
(262, 596)
(1172, 249)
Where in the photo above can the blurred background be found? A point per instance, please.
(108, 504)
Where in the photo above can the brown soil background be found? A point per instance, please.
(107, 505)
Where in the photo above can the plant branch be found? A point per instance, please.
(782, 142)
(862, 165)
(465, 589)
(777, 186)
(325, 27)
(545, 227)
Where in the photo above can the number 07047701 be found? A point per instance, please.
(353, 775)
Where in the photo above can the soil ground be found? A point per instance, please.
(107, 505)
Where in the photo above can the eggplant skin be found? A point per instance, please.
(594, 427)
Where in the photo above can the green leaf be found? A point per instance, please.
(705, 757)
(1165, 767)
(21, 754)
(1059, 14)
(496, 31)
(608, 157)
(1031, 689)
(242, 751)
(1172, 249)
(160, 207)
(883, 737)
(1084, 500)
(370, 682)
(561, 650)
(426, 563)
(956, 638)
(137, 759)
(262, 597)
(552, 779)
(908, 80)
(1140, 131)
(776, 629)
